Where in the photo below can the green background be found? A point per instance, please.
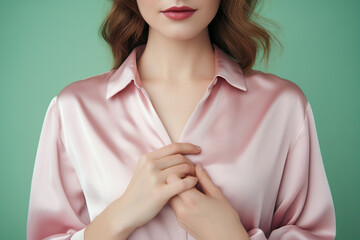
(47, 44)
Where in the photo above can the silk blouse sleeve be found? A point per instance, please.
(304, 207)
(57, 208)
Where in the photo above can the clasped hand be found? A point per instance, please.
(206, 215)
(163, 176)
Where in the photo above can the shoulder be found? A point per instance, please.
(93, 87)
(271, 86)
(279, 99)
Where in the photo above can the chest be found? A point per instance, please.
(237, 144)
(175, 104)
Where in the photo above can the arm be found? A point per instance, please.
(57, 208)
(304, 206)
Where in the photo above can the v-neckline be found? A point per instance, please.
(164, 132)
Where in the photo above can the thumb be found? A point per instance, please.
(207, 184)
(172, 178)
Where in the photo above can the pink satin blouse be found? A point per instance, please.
(258, 139)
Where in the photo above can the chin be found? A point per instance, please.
(181, 34)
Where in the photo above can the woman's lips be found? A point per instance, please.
(178, 13)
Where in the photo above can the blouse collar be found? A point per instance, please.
(225, 67)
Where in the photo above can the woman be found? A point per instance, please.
(118, 156)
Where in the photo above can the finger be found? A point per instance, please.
(176, 185)
(190, 193)
(206, 183)
(172, 179)
(180, 171)
(174, 148)
(172, 160)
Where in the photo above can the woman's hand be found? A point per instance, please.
(206, 216)
(148, 191)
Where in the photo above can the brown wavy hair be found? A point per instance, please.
(233, 29)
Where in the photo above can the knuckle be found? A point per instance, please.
(153, 180)
(189, 168)
(186, 168)
(150, 165)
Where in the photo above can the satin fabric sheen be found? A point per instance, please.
(259, 146)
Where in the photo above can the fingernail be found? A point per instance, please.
(199, 167)
(198, 147)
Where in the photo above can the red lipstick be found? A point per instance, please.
(179, 13)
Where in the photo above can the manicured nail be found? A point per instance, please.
(200, 168)
(198, 147)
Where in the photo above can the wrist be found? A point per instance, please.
(100, 228)
(108, 226)
(121, 230)
(119, 226)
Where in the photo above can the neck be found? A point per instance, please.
(176, 61)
